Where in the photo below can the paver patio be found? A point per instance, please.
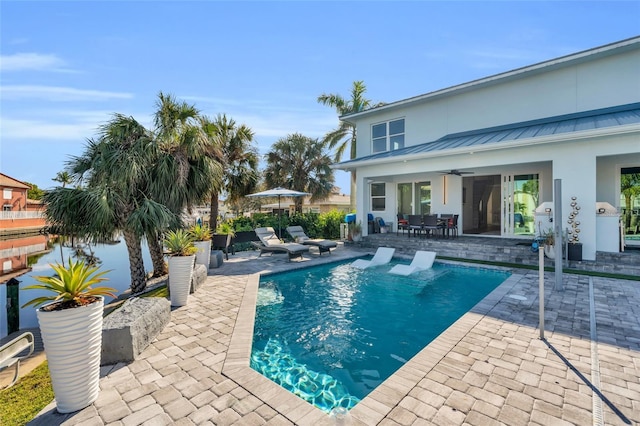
(490, 367)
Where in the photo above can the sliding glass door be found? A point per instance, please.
(520, 197)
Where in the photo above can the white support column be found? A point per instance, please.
(362, 202)
(577, 170)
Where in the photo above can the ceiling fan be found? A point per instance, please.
(456, 172)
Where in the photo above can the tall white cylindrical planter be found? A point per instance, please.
(73, 342)
(180, 271)
(204, 252)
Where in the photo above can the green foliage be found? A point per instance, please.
(345, 135)
(302, 164)
(34, 193)
(233, 146)
(330, 224)
(25, 399)
(225, 228)
(71, 283)
(179, 243)
(324, 225)
(243, 223)
(268, 219)
(310, 223)
(64, 178)
(161, 291)
(200, 232)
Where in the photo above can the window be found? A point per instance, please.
(387, 136)
(6, 194)
(6, 208)
(378, 200)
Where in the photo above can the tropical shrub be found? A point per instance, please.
(200, 232)
(71, 286)
(179, 243)
(330, 224)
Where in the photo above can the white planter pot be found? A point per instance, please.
(72, 342)
(180, 271)
(356, 237)
(204, 252)
(549, 251)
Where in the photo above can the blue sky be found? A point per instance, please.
(67, 66)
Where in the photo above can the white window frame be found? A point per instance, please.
(7, 193)
(387, 136)
(383, 197)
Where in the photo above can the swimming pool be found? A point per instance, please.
(331, 334)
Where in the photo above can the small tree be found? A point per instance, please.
(300, 163)
(34, 193)
(345, 135)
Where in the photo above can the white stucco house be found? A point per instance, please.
(489, 150)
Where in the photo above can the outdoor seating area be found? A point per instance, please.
(300, 237)
(422, 261)
(382, 256)
(428, 226)
(270, 243)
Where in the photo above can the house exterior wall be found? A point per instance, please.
(14, 197)
(18, 213)
(588, 163)
(601, 83)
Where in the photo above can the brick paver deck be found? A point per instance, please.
(490, 367)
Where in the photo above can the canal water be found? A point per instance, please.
(24, 253)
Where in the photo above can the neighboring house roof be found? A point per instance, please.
(10, 182)
(561, 62)
(564, 124)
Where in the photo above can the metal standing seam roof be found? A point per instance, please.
(569, 123)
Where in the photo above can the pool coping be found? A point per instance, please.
(379, 402)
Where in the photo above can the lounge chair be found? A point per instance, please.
(382, 257)
(422, 260)
(298, 234)
(270, 243)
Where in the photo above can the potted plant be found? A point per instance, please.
(181, 252)
(574, 248)
(71, 328)
(549, 244)
(223, 238)
(201, 234)
(356, 231)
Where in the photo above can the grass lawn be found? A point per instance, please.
(21, 402)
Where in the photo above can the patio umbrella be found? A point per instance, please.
(279, 192)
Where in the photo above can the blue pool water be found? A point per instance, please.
(330, 334)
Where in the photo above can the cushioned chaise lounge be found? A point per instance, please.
(422, 260)
(298, 234)
(270, 243)
(382, 257)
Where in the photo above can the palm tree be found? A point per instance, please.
(300, 163)
(183, 174)
(116, 169)
(345, 134)
(64, 178)
(231, 146)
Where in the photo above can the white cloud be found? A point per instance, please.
(32, 62)
(58, 94)
(19, 129)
